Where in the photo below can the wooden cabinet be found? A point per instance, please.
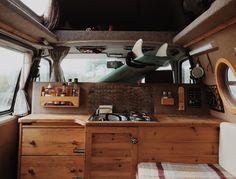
(178, 144)
(111, 152)
(52, 151)
(114, 152)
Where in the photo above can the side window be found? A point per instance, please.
(231, 82)
(185, 71)
(11, 62)
(44, 70)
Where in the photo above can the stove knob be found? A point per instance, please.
(134, 140)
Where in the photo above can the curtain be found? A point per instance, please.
(21, 107)
(51, 19)
(58, 54)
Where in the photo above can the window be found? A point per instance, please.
(86, 67)
(231, 82)
(39, 7)
(10, 66)
(185, 72)
(225, 74)
(44, 70)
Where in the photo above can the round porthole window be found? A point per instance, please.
(225, 74)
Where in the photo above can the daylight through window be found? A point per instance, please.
(10, 65)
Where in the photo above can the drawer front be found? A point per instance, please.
(53, 141)
(39, 167)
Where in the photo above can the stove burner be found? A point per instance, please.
(128, 116)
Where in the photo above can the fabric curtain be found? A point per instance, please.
(58, 54)
(51, 18)
(21, 107)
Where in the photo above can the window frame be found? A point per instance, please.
(29, 11)
(221, 69)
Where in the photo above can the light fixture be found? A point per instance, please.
(203, 49)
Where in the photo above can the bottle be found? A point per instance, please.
(164, 95)
(169, 94)
(75, 87)
(63, 93)
(43, 91)
(48, 90)
(69, 88)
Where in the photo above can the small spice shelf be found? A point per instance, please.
(49, 101)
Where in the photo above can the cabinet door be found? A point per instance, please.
(111, 152)
(52, 141)
(52, 167)
(179, 144)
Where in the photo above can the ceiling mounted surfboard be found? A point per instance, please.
(138, 64)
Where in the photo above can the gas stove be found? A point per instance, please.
(126, 116)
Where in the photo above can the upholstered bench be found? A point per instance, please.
(227, 161)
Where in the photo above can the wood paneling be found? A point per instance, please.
(110, 152)
(52, 141)
(52, 167)
(179, 144)
(8, 147)
(138, 97)
(178, 134)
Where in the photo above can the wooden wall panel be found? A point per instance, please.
(124, 97)
(8, 148)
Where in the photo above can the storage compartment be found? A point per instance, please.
(52, 167)
(52, 141)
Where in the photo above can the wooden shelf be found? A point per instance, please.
(48, 101)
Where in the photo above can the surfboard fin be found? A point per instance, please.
(162, 51)
(137, 49)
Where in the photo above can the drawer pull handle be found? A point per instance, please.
(134, 140)
(31, 171)
(33, 143)
(75, 142)
(79, 151)
(77, 178)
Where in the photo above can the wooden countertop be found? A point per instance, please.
(164, 120)
(32, 118)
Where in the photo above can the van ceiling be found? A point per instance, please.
(123, 15)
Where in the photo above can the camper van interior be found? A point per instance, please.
(128, 89)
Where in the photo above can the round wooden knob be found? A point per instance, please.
(31, 171)
(72, 170)
(33, 143)
(74, 142)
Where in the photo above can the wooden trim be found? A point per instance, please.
(19, 151)
(17, 33)
(220, 70)
(212, 32)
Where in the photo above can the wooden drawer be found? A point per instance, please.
(48, 167)
(53, 141)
